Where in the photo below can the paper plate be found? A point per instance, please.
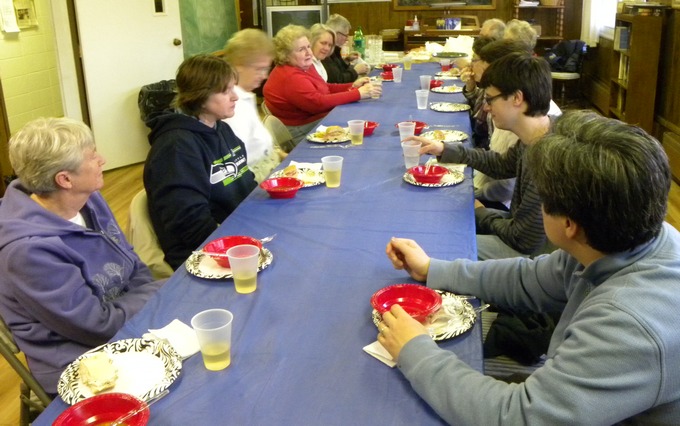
(451, 178)
(145, 368)
(203, 266)
(449, 107)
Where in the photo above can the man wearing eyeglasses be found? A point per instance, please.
(517, 94)
(338, 69)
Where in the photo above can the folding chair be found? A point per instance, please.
(32, 397)
(143, 237)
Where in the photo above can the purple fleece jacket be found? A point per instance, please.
(65, 289)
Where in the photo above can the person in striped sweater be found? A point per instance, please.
(517, 93)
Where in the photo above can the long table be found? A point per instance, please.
(297, 355)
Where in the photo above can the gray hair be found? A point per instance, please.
(45, 147)
(493, 28)
(317, 30)
(284, 39)
(338, 23)
(522, 31)
(609, 177)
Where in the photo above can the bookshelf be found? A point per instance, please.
(549, 18)
(635, 66)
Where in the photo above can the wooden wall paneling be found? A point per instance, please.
(573, 10)
(597, 72)
(668, 92)
(376, 16)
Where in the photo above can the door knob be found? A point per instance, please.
(177, 42)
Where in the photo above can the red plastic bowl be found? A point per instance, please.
(369, 127)
(388, 67)
(420, 126)
(419, 301)
(282, 187)
(387, 75)
(435, 83)
(434, 173)
(104, 409)
(221, 245)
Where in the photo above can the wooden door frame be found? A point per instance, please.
(6, 170)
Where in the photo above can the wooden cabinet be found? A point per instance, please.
(635, 66)
(549, 18)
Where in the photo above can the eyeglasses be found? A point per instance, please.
(488, 99)
(342, 34)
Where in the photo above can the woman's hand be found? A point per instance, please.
(361, 81)
(427, 146)
(367, 89)
(467, 76)
(397, 328)
(408, 255)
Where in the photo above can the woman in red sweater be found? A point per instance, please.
(296, 94)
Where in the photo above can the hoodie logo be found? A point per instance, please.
(220, 172)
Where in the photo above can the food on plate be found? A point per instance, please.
(308, 176)
(290, 171)
(439, 135)
(334, 133)
(98, 372)
(453, 72)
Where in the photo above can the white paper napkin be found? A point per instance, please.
(180, 336)
(379, 352)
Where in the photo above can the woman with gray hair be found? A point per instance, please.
(521, 31)
(340, 70)
(296, 94)
(70, 278)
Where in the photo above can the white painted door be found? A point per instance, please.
(125, 45)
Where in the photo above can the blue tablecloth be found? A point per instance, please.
(297, 354)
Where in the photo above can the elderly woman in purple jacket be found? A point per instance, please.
(69, 277)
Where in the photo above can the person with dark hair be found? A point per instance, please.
(616, 276)
(474, 95)
(196, 172)
(517, 95)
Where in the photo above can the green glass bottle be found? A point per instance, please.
(359, 41)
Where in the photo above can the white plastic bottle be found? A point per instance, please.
(416, 24)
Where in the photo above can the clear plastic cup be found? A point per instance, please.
(397, 73)
(421, 98)
(375, 94)
(446, 64)
(408, 60)
(213, 331)
(425, 82)
(406, 129)
(356, 131)
(411, 155)
(332, 170)
(244, 260)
